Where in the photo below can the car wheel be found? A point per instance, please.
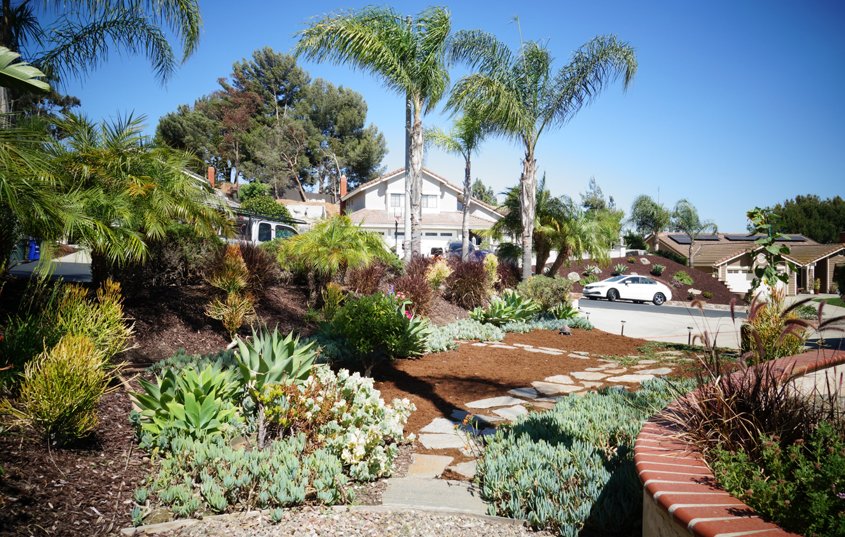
(659, 299)
(613, 295)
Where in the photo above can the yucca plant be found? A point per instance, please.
(194, 402)
(508, 307)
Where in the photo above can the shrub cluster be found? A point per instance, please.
(509, 276)
(572, 468)
(683, 278)
(416, 286)
(548, 293)
(446, 337)
(437, 272)
(366, 280)
(468, 286)
(657, 269)
(796, 486)
(772, 330)
(375, 328)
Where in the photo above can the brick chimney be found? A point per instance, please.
(211, 173)
(343, 188)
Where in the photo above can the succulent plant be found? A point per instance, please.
(508, 307)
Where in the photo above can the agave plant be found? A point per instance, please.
(194, 402)
(507, 308)
(270, 358)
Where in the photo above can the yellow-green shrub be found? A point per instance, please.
(233, 312)
(101, 320)
(60, 390)
(771, 331)
(437, 273)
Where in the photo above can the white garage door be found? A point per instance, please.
(739, 280)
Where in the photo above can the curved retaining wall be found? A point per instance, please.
(681, 497)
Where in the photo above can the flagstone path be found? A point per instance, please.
(465, 429)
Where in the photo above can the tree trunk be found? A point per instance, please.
(406, 215)
(465, 216)
(416, 181)
(562, 256)
(100, 268)
(542, 254)
(689, 257)
(528, 204)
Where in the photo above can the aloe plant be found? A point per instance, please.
(194, 402)
(507, 308)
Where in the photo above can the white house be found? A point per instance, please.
(379, 206)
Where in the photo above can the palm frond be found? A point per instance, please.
(18, 74)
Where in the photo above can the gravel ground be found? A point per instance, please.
(360, 522)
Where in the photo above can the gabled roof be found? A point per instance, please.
(400, 171)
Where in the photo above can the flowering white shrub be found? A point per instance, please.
(345, 415)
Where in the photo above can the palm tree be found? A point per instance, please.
(408, 54)
(521, 96)
(464, 139)
(126, 192)
(330, 248)
(579, 233)
(549, 211)
(686, 220)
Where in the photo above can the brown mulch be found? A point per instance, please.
(170, 319)
(702, 280)
(444, 312)
(85, 490)
(440, 383)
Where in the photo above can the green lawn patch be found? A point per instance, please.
(837, 301)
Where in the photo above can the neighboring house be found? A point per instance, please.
(379, 206)
(731, 258)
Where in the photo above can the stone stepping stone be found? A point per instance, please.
(590, 384)
(582, 353)
(501, 346)
(550, 349)
(647, 362)
(528, 393)
(466, 469)
(429, 466)
(630, 378)
(416, 492)
(478, 419)
(559, 379)
(547, 399)
(441, 441)
(656, 371)
(669, 353)
(479, 344)
(579, 356)
(440, 426)
(511, 412)
(545, 405)
(588, 375)
(491, 402)
(521, 345)
(553, 388)
(616, 371)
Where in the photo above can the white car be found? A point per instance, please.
(637, 288)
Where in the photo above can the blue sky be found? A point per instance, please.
(735, 104)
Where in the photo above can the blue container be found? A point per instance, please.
(34, 251)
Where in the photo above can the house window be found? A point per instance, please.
(397, 200)
(429, 202)
(264, 232)
(446, 234)
(430, 233)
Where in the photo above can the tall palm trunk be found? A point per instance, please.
(465, 216)
(528, 202)
(416, 180)
(406, 213)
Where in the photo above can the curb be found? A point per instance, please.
(680, 492)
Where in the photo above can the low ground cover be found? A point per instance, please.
(837, 301)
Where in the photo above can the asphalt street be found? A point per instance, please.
(651, 308)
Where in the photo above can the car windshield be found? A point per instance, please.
(615, 279)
